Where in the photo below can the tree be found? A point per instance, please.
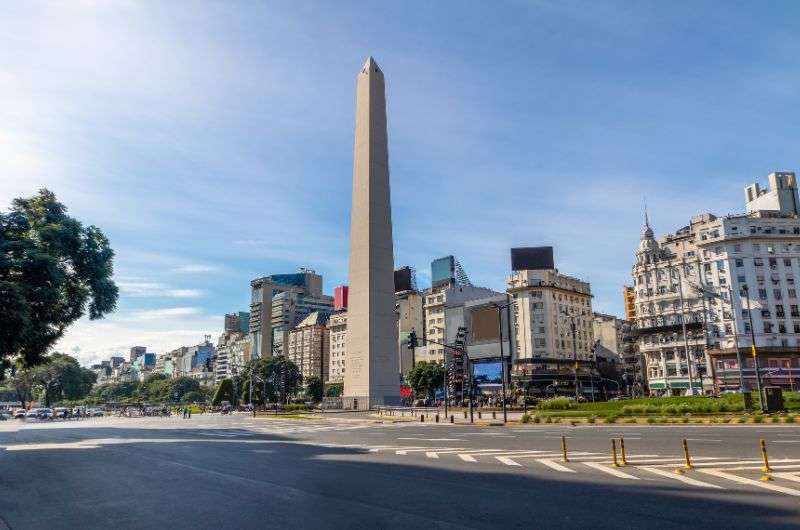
(224, 392)
(425, 378)
(196, 396)
(314, 388)
(52, 270)
(278, 375)
(177, 389)
(334, 390)
(61, 377)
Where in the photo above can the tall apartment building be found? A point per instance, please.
(233, 346)
(278, 303)
(136, 352)
(308, 345)
(337, 328)
(704, 276)
(546, 305)
(409, 305)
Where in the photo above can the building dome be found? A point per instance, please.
(648, 243)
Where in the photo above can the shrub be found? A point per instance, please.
(652, 409)
(559, 403)
(294, 407)
(526, 418)
(537, 419)
(723, 407)
(664, 419)
(612, 418)
(651, 420)
(685, 419)
(741, 419)
(669, 409)
(758, 418)
(789, 419)
(628, 410)
(775, 419)
(630, 420)
(548, 419)
(591, 419)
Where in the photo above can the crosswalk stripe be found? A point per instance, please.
(406, 451)
(788, 476)
(555, 465)
(738, 462)
(750, 482)
(681, 478)
(610, 470)
(507, 461)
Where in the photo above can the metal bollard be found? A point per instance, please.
(479, 414)
(564, 448)
(452, 419)
(422, 418)
(766, 468)
(622, 451)
(465, 414)
(436, 418)
(494, 414)
(687, 459)
(614, 453)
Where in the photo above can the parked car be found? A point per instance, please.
(94, 413)
(46, 414)
(4, 415)
(33, 413)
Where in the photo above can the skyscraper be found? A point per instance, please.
(372, 373)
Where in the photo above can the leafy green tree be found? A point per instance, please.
(180, 387)
(279, 376)
(154, 388)
(196, 396)
(224, 392)
(61, 377)
(425, 378)
(314, 388)
(334, 390)
(52, 270)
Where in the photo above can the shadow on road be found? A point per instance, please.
(106, 477)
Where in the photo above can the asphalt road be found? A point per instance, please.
(239, 472)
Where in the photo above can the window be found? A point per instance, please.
(773, 263)
(797, 327)
(756, 247)
(762, 294)
(758, 262)
(776, 293)
(767, 327)
(779, 311)
(741, 279)
(781, 327)
(737, 247)
(792, 293)
(787, 262)
(740, 263)
(747, 327)
(765, 313)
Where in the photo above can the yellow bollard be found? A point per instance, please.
(564, 448)
(687, 460)
(614, 453)
(765, 469)
(622, 451)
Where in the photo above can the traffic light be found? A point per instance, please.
(412, 340)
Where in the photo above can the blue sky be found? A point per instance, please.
(212, 141)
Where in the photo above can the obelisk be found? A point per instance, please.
(371, 375)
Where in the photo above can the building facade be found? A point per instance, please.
(337, 329)
(552, 317)
(724, 280)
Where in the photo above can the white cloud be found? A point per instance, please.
(197, 268)
(137, 288)
(153, 314)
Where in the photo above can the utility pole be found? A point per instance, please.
(742, 388)
(574, 353)
(689, 361)
(753, 348)
(502, 359)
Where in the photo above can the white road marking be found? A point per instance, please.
(737, 462)
(681, 478)
(788, 476)
(750, 482)
(406, 451)
(555, 465)
(702, 440)
(610, 470)
(784, 441)
(435, 439)
(507, 461)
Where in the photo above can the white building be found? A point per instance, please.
(337, 327)
(714, 265)
(546, 306)
(308, 346)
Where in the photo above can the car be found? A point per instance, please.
(96, 413)
(33, 413)
(19, 414)
(5, 414)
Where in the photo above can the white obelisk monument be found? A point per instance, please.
(371, 376)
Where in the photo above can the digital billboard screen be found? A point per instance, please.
(532, 258)
(487, 374)
(484, 325)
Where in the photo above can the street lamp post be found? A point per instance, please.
(500, 308)
(753, 348)
(689, 361)
(574, 353)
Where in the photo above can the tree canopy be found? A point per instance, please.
(426, 377)
(279, 376)
(57, 378)
(52, 271)
(314, 388)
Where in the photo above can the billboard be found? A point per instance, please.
(484, 325)
(403, 280)
(487, 374)
(532, 258)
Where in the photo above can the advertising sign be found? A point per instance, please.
(488, 374)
